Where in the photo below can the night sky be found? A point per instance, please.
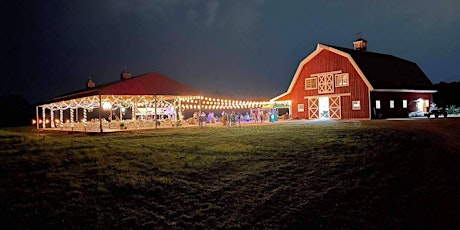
(242, 48)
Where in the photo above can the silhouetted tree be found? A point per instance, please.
(448, 93)
(16, 111)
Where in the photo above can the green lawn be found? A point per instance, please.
(371, 174)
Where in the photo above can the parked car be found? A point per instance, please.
(417, 114)
(436, 111)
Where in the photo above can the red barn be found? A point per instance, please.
(340, 83)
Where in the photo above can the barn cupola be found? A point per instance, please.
(90, 84)
(125, 74)
(360, 44)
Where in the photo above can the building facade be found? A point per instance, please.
(340, 83)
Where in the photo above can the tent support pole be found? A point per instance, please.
(155, 113)
(36, 116)
(99, 110)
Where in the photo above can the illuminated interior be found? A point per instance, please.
(107, 112)
(323, 107)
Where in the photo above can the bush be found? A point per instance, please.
(452, 110)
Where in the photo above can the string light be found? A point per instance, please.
(71, 117)
(61, 117)
(44, 116)
(197, 102)
(52, 118)
(179, 104)
(107, 105)
(85, 115)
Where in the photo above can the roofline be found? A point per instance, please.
(99, 89)
(300, 67)
(279, 96)
(82, 93)
(404, 91)
(319, 48)
(352, 61)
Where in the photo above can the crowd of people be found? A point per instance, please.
(230, 118)
(227, 118)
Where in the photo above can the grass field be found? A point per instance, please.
(369, 174)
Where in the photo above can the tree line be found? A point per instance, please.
(16, 111)
(448, 94)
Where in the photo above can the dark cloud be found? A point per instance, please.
(245, 48)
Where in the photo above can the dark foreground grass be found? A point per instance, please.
(332, 175)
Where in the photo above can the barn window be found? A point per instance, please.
(300, 108)
(356, 105)
(392, 104)
(404, 103)
(341, 80)
(310, 83)
(326, 83)
(377, 104)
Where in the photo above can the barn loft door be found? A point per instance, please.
(313, 108)
(334, 107)
(326, 83)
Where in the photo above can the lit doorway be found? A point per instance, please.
(422, 105)
(323, 107)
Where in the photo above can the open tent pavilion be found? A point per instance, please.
(146, 101)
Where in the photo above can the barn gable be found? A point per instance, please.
(318, 50)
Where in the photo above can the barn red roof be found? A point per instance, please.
(381, 71)
(146, 84)
(149, 84)
(389, 72)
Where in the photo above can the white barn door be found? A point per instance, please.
(334, 107)
(313, 108)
